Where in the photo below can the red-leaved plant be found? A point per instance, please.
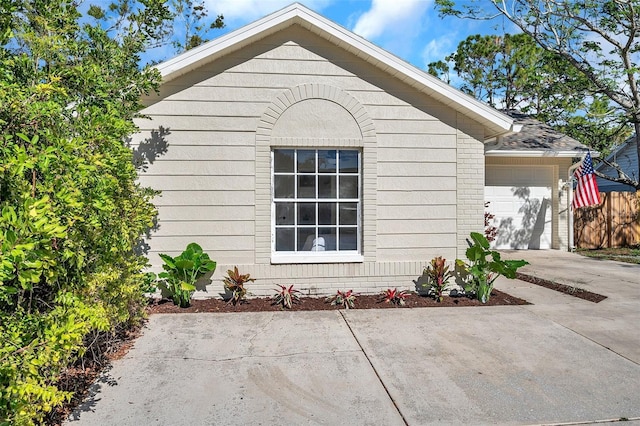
(490, 231)
(438, 276)
(234, 283)
(285, 296)
(395, 296)
(346, 299)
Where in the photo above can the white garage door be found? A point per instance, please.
(520, 199)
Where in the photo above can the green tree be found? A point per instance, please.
(191, 18)
(187, 26)
(513, 72)
(599, 38)
(71, 212)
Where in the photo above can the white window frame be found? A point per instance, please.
(342, 256)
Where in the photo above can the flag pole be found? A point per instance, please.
(570, 172)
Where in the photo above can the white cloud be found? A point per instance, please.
(437, 49)
(391, 16)
(250, 10)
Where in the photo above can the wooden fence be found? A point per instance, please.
(614, 223)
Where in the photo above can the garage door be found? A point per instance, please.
(520, 199)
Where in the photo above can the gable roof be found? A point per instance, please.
(494, 122)
(536, 139)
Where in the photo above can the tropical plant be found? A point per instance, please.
(395, 296)
(234, 283)
(346, 299)
(182, 272)
(285, 296)
(438, 276)
(485, 266)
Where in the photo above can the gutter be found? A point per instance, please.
(497, 152)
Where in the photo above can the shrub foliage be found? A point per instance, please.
(71, 210)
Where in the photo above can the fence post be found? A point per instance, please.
(609, 220)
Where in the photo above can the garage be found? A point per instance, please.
(520, 197)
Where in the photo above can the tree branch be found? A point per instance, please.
(622, 176)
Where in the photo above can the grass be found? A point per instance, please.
(621, 254)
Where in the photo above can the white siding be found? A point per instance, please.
(213, 164)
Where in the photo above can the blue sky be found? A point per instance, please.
(410, 29)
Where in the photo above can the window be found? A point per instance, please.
(316, 205)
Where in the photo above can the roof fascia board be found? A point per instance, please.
(495, 122)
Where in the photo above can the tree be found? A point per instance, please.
(187, 25)
(513, 72)
(193, 17)
(599, 38)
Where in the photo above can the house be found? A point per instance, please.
(525, 186)
(626, 156)
(306, 155)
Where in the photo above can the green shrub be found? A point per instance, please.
(71, 212)
(182, 272)
(485, 266)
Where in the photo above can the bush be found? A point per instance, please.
(71, 212)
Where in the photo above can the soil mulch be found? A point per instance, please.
(79, 377)
(368, 301)
(562, 288)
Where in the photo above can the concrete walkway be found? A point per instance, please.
(613, 323)
(557, 361)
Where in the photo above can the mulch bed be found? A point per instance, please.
(262, 304)
(562, 288)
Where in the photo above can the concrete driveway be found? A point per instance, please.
(560, 360)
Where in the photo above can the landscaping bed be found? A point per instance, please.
(370, 301)
(562, 288)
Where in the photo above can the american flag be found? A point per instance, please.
(586, 193)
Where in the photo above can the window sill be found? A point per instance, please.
(316, 257)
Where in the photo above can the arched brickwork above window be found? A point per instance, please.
(304, 92)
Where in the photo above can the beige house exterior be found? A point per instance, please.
(303, 154)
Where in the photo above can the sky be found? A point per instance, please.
(410, 29)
